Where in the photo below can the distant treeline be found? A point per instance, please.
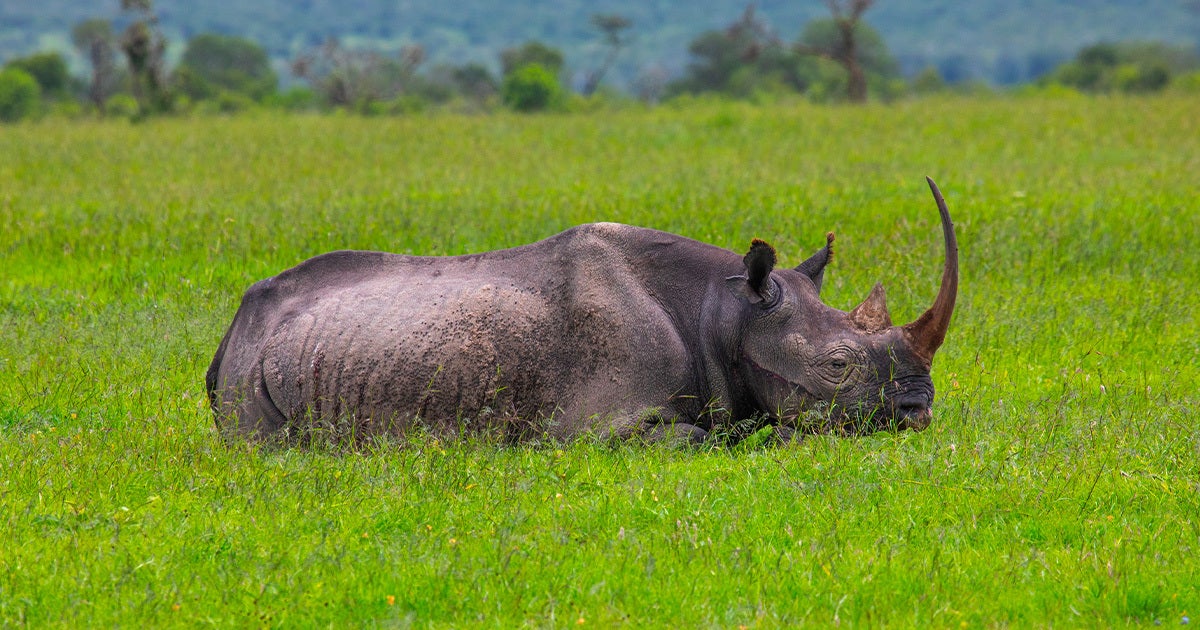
(835, 58)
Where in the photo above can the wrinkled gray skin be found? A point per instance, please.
(609, 329)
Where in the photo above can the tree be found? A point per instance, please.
(474, 81)
(213, 63)
(874, 62)
(530, 53)
(48, 69)
(1126, 66)
(18, 95)
(94, 40)
(612, 26)
(743, 58)
(145, 48)
(845, 48)
(651, 83)
(345, 77)
(531, 88)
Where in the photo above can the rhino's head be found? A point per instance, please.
(813, 364)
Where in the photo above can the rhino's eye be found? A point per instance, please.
(840, 366)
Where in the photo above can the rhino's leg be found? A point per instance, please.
(674, 433)
(650, 425)
(655, 426)
(249, 412)
(788, 434)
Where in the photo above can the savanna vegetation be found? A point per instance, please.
(1058, 485)
(126, 67)
(982, 40)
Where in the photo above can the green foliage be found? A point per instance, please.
(474, 81)
(742, 60)
(213, 63)
(872, 51)
(1188, 83)
(352, 78)
(145, 49)
(746, 60)
(989, 38)
(233, 102)
(1134, 67)
(19, 95)
(48, 69)
(928, 81)
(528, 54)
(295, 98)
(531, 88)
(122, 106)
(1128, 77)
(94, 40)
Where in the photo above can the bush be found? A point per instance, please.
(232, 102)
(19, 95)
(1130, 77)
(49, 71)
(294, 99)
(928, 81)
(122, 105)
(215, 64)
(1188, 83)
(1132, 67)
(531, 88)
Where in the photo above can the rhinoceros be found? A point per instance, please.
(604, 329)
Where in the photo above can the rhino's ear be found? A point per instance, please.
(755, 286)
(872, 315)
(814, 267)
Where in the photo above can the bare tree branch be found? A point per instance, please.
(846, 19)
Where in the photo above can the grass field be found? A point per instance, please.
(1059, 484)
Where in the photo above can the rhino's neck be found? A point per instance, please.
(722, 329)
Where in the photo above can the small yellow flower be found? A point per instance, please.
(580, 621)
(391, 600)
(453, 541)
(366, 535)
(173, 606)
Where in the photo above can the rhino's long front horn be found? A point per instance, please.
(929, 330)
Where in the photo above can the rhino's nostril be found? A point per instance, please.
(916, 417)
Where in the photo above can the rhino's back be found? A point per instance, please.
(560, 327)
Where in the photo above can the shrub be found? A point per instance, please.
(122, 105)
(928, 81)
(1130, 77)
(232, 102)
(49, 71)
(1188, 83)
(296, 98)
(1133, 67)
(19, 95)
(531, 88)
(217, 64)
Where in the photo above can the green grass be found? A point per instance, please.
(1058, 485)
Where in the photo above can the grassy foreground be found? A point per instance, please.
(1058, 485)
